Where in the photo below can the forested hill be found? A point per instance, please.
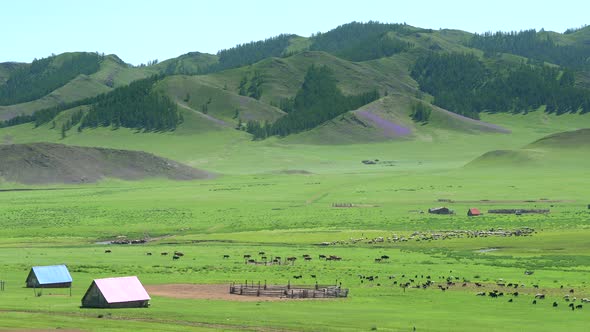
(311, 80)
(35, 80)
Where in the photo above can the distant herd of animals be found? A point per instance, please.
(444, 283)
(264, 259)
(175, 256)
(435, 236)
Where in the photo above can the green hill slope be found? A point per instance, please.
(389, 118)
(570, 140)
(112, 72)
(559, 150)
(282, 77)
(187, 64)
(197, 94)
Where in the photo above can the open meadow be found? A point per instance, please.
(405, 269)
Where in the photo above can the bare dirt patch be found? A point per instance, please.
(206, 292)
(43, 163)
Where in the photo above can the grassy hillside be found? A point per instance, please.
(187, 64)
(113, 72)
(195, 93)
(563, 150)
(389, 118)
(577, 139)
(284, 76)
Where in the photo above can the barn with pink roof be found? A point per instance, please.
(121, 292)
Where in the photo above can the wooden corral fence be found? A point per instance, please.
(288, 291)
(342, 205)
(519, 211)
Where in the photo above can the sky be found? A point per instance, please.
(139, 31)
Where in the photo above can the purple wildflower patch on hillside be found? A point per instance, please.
(389, 128)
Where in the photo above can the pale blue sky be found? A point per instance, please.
(143, 30)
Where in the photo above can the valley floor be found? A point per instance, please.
(290, 215)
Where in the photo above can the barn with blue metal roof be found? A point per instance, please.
(53, 276)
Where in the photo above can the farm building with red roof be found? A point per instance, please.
(473, 212)
(122, 292)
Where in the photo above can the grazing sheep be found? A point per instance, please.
(225, 256)
(175, 257)
(163, 253)
(108, 251)
(579, 306)
(540, 296)
(148, 253)
(554, 304)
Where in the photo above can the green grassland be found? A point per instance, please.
(276, 196)
(288, 215)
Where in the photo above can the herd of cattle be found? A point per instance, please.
(264, 259)
(444, 283)
(175, 256)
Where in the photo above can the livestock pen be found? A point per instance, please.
(288, 291)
